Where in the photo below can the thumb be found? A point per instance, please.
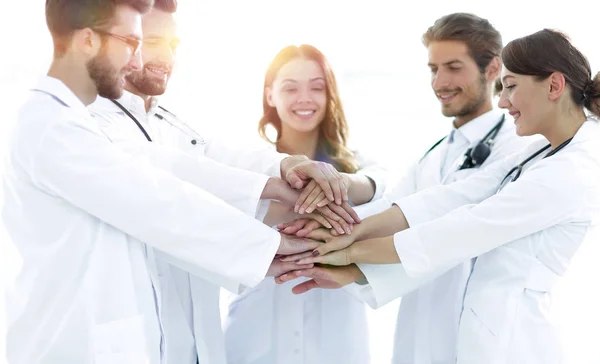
(294, 180)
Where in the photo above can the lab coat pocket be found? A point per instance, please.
(120, 342)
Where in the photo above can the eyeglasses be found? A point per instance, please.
(135, 44)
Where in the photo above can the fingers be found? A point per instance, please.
(311, 226)
(293, 226)
(313, 200)
(336, 221)
(335, 182)
(342, 212)
(321, 179)
(339, 257)
(301, 203)
(335, 244)
(294, 180)
(323, 201)
(296, 257)
(292, 245)
(305, 287)
(353, 214)
(320, 234)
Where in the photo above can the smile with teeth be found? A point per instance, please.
(447, 97)
(157, 71)
(304, 112)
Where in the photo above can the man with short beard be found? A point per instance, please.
(464, 60)
(84, 214)
(189, 302)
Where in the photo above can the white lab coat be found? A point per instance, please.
(524, 238)
(190, 304)
(427, 324)
(77, 207)
(268, 324)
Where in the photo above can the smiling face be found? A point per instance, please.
(158, 54)
(116, 59)
(456, 80)
(527, 100)
(299, 94)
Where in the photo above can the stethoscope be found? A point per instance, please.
(518, 169)
(474, 156)
(195, 137)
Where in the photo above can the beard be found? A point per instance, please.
(105, 76)
(474, 100)
(147, 84)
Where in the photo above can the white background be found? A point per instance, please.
(376, 52)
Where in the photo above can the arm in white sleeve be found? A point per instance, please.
(551, 191)
(237, 187)
(258, 158)
(78, 164)
(437, 201)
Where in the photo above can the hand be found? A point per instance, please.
(335, 251)
(338, 213)
(299, 173)
(318, 234)
(322, 277)
(338, 257)
(280, 190)
(278, 268)
(302, 227)
(312, 196)
(293, 245)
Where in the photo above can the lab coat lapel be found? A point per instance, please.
(429, 173)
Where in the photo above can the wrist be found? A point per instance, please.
(359, 231)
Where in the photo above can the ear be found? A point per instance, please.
(556, 86)
(87, 41)
(492, 71)
(269, 96)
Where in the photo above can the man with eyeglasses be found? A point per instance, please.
(189, 302)
(86, 215)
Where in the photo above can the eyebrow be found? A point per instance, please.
(506, 77)
(311, 80)
(446, 63)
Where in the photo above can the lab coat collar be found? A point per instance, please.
(137, 105)
(477, 128)
(60, 92)
(589, 130)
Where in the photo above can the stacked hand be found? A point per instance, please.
(333, 268)
(320, 193)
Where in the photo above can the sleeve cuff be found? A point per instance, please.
(413, 210)
(390, 281)
(411, 252)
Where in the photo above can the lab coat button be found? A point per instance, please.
(194, 141)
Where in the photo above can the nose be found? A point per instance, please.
(135, 63)
(503, 102)
(440, 80)
(167, 54)
(304, 94)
